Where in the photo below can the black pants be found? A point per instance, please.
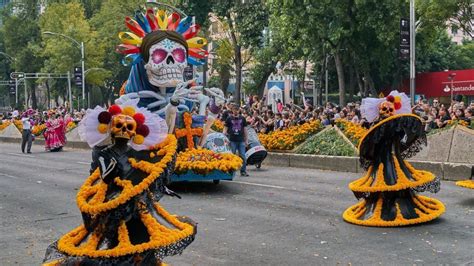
(26, 137)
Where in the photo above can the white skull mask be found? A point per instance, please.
(166, 63)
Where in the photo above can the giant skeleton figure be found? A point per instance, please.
(158, 81)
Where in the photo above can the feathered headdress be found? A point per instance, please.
(160, 20)
(369, 108)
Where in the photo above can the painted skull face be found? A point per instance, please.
(123, 126)
(386, 109)
(166, 63)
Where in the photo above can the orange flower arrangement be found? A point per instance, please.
(203, 161)
(38, 129)
(289, 138)
(353, 131)
(18, 125)
(188, 131)
(4, 125)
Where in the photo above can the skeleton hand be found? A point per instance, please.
(160, 100)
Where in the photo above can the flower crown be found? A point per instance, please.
(144, 24)
(97, 123)
(396, 100)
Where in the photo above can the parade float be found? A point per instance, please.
(163, 45)
(388, 191)
(290, 138)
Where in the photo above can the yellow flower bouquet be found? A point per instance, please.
(289, 138)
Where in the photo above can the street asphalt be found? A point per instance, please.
(277, 216)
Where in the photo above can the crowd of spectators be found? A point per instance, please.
(38, 117)
(263, 119)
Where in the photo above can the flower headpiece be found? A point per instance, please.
(126, 120)
(160, 20)
(371, 108)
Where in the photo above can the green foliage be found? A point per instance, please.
(328, 142)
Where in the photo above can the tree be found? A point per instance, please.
(21, 36)
(62, 53)
(246, 21)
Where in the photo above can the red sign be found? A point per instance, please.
(437, 84)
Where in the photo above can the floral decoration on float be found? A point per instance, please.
(203, 161)
(288, 139)
(200, 161)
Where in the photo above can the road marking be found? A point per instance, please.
(11, 176)
(257, 184)
(21, 155)
(85, 163)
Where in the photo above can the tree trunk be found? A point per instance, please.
(48, 94)
(34, 102)
(238, 73)
(352, 83)
(262, 82)
(237, 62)
(359, 82)
(340, 79)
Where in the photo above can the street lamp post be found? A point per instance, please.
(80, 45)
(451, 78)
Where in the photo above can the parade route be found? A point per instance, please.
(276, 216)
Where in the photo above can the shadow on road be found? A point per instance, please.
(203, 187)
(467, 202)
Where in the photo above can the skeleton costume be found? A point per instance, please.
(123, 223)
(389, 189)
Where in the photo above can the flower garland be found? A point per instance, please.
(218, 126)
(289, 138)
(188, 131)
(466, 184)
(426, 208)
(203, 161)
(368, 184)
(353, 131)
(160, 236)
(4, 125)
(95, 205)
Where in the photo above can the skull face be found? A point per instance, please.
(166, 63)
(123, 126)
(386, 109)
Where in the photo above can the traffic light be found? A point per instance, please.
(404, 39)
(78, 76)
(11, 86)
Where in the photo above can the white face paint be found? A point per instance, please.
(166, 63)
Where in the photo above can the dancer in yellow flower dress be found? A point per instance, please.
(123, 223)
(389, 189)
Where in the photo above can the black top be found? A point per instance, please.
(235, 127)
(402, 134)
